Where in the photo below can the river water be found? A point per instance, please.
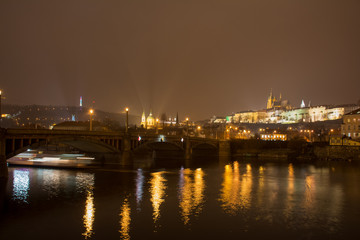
(222, 200)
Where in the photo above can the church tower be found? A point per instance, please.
(143, 120)
(270, 101)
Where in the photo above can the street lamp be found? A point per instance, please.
(91, 114)
(127, 120)
(157, 122)
(187, 127)
(0, 104)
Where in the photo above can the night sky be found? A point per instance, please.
(196, 57)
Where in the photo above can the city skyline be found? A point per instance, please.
(198, 58)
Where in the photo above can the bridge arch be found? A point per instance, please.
(83, 144)
(155, 149)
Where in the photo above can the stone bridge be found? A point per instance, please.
(15, 141)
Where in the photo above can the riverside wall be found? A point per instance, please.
(296, 150)
(338, 153)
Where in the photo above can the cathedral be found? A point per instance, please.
(147, 122)
(150, 122)
(273, 103)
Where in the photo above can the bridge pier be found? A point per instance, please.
(3, 166)
(224, 148)
(187, 149)
(224, 152)
(126, 151)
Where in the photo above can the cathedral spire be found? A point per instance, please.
(143, 119)
(270, 101)
(302, 104)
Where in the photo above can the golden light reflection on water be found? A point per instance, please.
(89, 215)
(199, 187)
(309, 191)
(246, 186)
(290, 189)
(157, 191)
(260, 192)
(84, 181)
(125, 220)
(236, 189)
(191, 193)
(289, 204)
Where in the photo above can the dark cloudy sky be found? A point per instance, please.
(197, 57)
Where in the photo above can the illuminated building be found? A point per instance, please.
(343, 141)
(272, 102)
(280, 111)
(273, 137)
(351, 125)
(150, 121)
(147, 122)
(250, 116)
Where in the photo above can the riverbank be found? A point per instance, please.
(293, 151)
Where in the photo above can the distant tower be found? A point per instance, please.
(80, 103)
(177, 118)
(143, 120)
(270, 101)
(302, 104)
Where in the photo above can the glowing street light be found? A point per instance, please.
(127, 120)
(0, 103)
(91, 112)
(157, 122)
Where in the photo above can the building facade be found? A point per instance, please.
(280, 111)
(351, 125)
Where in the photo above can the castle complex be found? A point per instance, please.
(280, 111)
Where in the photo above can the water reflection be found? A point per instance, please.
(191, 193)
(336, 204)
(51, 182)
(86, 180)
(157, 191)
(289, 203)
(309, 192)
(125, 220)
(21, 185)
(288, 199)
(139, 187)
(246, 187)
(236, 189)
